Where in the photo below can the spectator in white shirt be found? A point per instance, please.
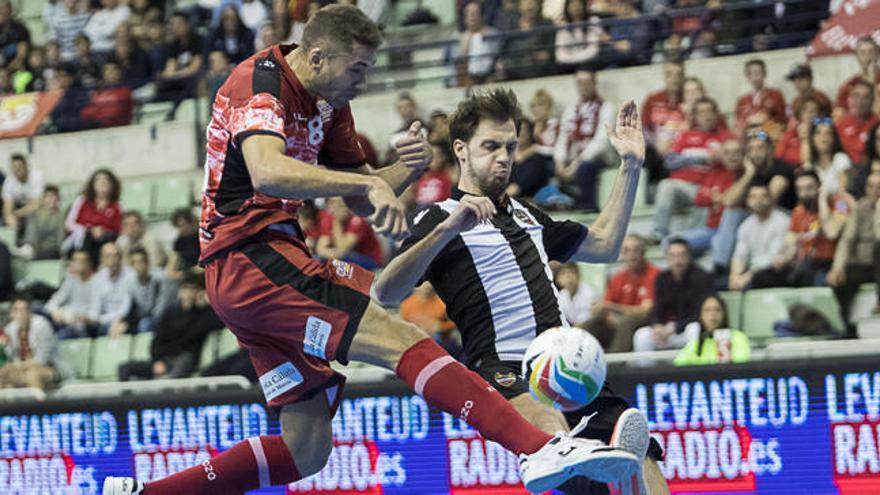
(576, 43)
(103, 24)
(134, 235)
(21, 194)
(575, 297)
(69, 306)
(759, 239)
(111, 296)
(477, 48)
(31, 349)
(253, 14)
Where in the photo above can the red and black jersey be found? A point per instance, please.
(264, 96)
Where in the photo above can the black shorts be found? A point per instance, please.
(506, 377)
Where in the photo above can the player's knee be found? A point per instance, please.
(310, 448)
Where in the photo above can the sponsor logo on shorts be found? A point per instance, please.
(343, 268)
(317, 335)
(506, 380)
(280, 379)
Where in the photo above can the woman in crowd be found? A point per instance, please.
(790, 146)
(826, 157)
(95, 217)
(869, 166)
(717, 342)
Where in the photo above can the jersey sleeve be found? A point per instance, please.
(561, 239)
(255, 105)
(424, 223)
(342, 149)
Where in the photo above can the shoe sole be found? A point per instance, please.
(631, 433)
(108, 488)
(608, 466)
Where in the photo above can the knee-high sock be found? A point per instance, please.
(250, 464)
(447, 384)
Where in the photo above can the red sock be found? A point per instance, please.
(445, 383)
(254, 463)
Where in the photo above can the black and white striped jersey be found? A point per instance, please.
(494, 278)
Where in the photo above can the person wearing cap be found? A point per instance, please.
(801, 75)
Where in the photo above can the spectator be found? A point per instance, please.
(426, 310)
(630, 35)
(31, 349)
(101, 28)
(232, 37)
(629, 296)
(692, 90)
(712, 194)
(53, 54)
(788, 149)
(693, 156)
(762, 107)
(532, 170)
(348, 237)
(150, 290)
(408, 111)
(507, 17)
(95, 217)
(578, 41)
(808, 250)
(716, 342)
(266, 36)
(678, 291)
(529, 51)
(14, 38)
(435, 185)
(439, 127)
(66, 21)
(22, 190)
(69, 306)
(826, 157)
(87, 69)
(309, 218)
(65, 117)
(853, 126)
(576, 298)
(185, 60)
(582, 147)
(185, 248)
(131, 58)
(857, 257)
(142, 14)
(254, 14)
(6, 88)
(477, 48)
(663, 117)
(801, 75)
(111, 297)
(868, 56)
(35, 75)
(758, 239)
(178, 336)
(869, 166)
(218, 70)
(546, 126)
(44, 230)
(134, 235)
(110, 104)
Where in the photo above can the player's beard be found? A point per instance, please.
(493, 185)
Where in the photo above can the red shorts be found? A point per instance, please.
(293, 313)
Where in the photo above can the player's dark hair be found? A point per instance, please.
(725, 322)
(341, 25)
(89, 191)
(809, 173)
(499, 105)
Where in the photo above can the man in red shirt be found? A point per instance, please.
(694, 155)
(868, 56)
(801, 75)
(763, 105)
(345, 236)
(663, 117)
(853, 127)
(629, 296)
(276, 114)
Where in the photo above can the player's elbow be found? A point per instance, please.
(384, 295)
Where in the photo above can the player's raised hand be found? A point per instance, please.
(627, 137)
(470, 212)
(413, 149)
(389, 216)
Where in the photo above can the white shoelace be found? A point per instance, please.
(582, 424)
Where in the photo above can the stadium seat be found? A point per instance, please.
(77, 353)
(7, 236)
(140, 346)
(209, 349)
(171, 193)
(761, 308)
(733, 300)
(227, 343)
(109, 353)
(606, 184)
(596, 276)
(49, 272)
(137, 194)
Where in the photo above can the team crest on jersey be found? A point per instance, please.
(523, 217)
(506, 380)
(343, 269)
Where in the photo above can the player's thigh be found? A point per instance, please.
(382, 338)
(306, 429)
(654, 478)
(543, 416)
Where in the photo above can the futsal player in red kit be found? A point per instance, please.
(282, 132)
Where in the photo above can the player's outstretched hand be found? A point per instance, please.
(389, 216)
(413, 149)
(627, 137)
(471, 211)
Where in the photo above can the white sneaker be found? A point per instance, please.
(631, 434)
(122, 486)
(565, 457)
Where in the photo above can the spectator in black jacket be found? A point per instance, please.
(678, 291)
(178, 336)
(232, 37)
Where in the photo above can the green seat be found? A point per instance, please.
(172, 193)
(594, 275)
(606, 184)
(7, 236)
(209, 350)
(69, 192)
(49, 272)
(137, 194)
(140, 346)
(109, 354)
(733, 300)
(77, 353)
(761, 308)
(227, 343)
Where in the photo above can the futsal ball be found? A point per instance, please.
(565, 368)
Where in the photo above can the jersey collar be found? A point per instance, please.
(502, 204)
